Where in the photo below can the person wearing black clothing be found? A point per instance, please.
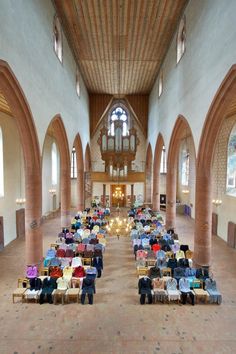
(98, 264)
(88, 288)
(49, 284)
(145, 289)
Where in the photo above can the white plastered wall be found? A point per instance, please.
(26, 44)
(13, 166)
(190, 86)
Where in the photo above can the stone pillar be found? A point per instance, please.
(156, 194)
(104, 196)
(132, 194)
(33, 211)
(171, 197)
(203, 220)
(65, 198)
(80, 190)
(148, 186)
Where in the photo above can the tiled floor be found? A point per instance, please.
(116, 323)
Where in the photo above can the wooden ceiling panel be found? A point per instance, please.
(4, 106)
(119, 44)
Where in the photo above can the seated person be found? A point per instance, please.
(184, 287)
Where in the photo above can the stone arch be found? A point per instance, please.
(156, 172)
(19, 106)
(57, 129)
(148, 175)
(181, 127)
(80, 172)
(222, 105)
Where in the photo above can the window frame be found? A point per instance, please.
(73, 168)
(57, 43)
(181, 40)
(230, 188)
(54, 164)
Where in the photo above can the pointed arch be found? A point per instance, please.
(156, 172)
(20, 109)
(180, 129)
(57, 129)
(80, 172)
(222, 105)
(148, 175)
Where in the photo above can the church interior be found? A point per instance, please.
(117, 106)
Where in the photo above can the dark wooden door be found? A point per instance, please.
(115, 202)
(214, 224)
(231, 239)
(20, 223)
(1, 234)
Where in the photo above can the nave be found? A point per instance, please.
(117, 323)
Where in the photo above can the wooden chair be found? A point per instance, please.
(44, 271)
(87, 261)
(20, 290)
(151, 262)
(58, 294)
(166, 272)
(142, 271)
(201, 295)
(73, 294)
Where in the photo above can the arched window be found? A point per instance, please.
(77, 83)
(1, 165)
(163, 168)
(118, 115)
(181, 39)
(54, 164)
(73, 164)
(185, 166)
(231, 164)
(57, 38)
(160, 84)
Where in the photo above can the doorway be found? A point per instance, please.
(118, 195)
(1, 234)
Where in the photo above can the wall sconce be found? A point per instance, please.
(52, 191)
(216, 202)
(185, 191)
(20, 201)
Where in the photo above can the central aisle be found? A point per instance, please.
(118, 281)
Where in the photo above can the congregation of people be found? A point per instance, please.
(165, 266)
(71, 264)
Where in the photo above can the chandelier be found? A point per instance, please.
(118, 193)
(119, 226)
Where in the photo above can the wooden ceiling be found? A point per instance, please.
(4, 107)
(119, 44)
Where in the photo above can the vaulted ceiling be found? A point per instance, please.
(119, 45)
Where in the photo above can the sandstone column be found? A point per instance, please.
(171, 197)
(203, 215)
